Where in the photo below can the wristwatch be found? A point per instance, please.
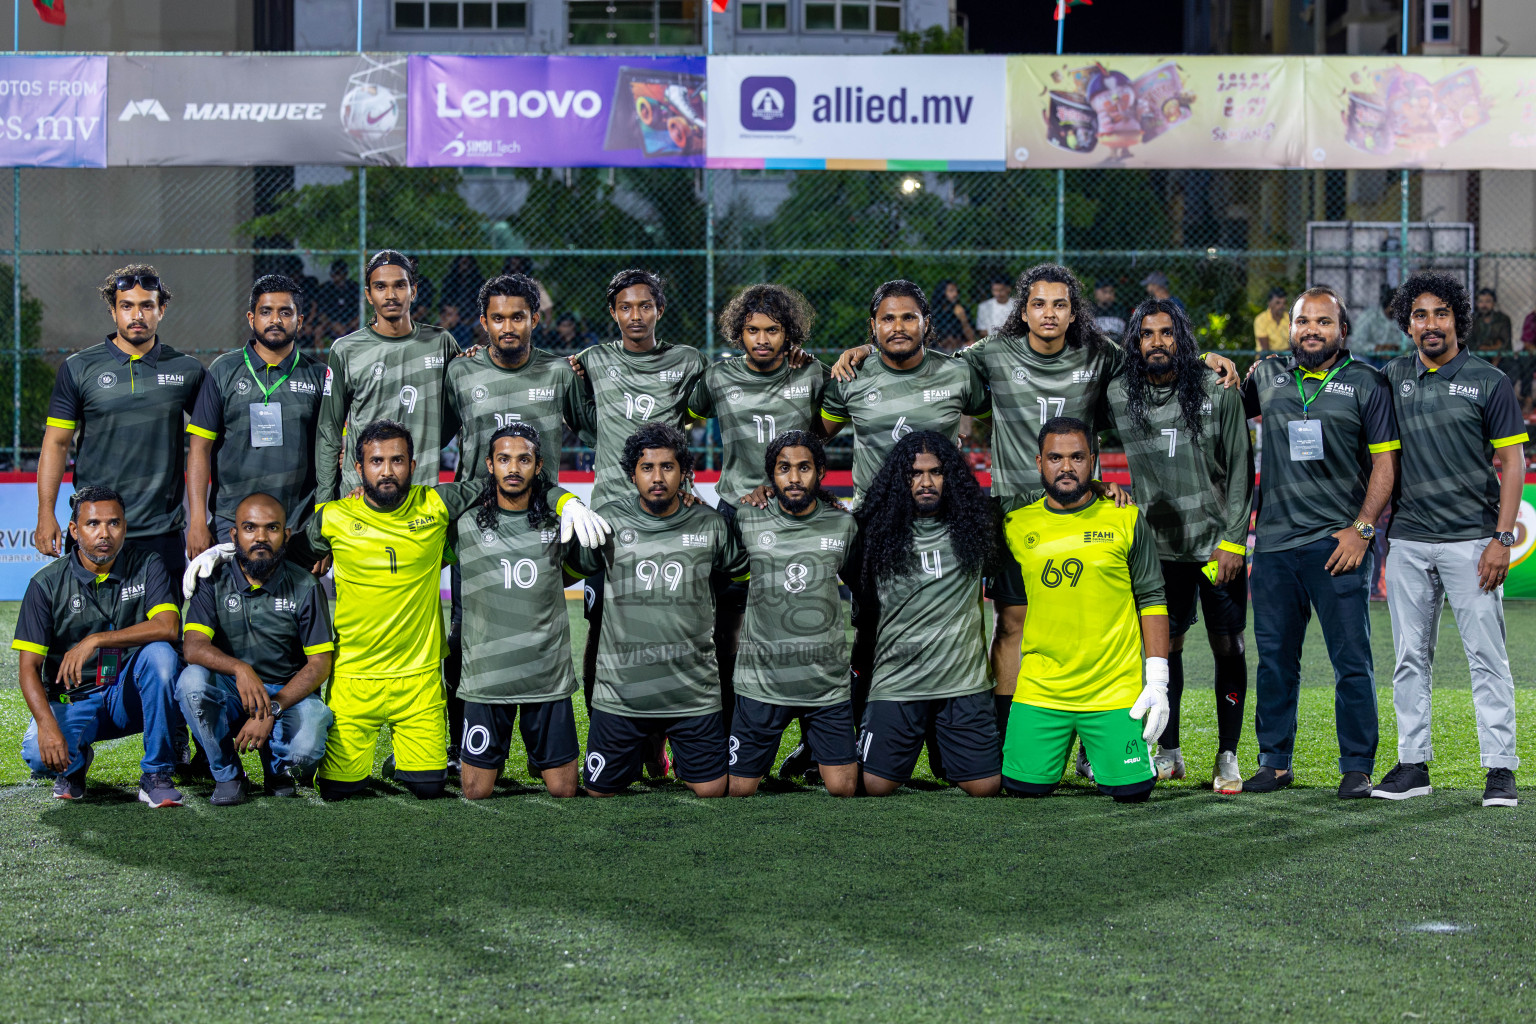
(275, 709)
(1506, 538)
(1365, 530)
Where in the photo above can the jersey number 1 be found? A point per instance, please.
(393, 565)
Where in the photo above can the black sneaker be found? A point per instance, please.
(1404, 781)
(1354, 786)
(274, 782)
(454, 769)
(72, 786)
(228, 794)
(1267, 780)
(797, 763)
(1500, 791)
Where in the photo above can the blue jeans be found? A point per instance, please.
(1286, 586)
(142, 701)
(213, 709)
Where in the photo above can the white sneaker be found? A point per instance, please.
(1168, 763)
(1228, 778)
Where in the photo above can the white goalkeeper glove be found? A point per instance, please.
(201, 567)
(1153, 702)
(589, 528)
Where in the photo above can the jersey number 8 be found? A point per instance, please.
(1051, 576)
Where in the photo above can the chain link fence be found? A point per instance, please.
(1222, 238)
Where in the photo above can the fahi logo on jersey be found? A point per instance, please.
(302, 387)
(936, 394)
(833, 544)
(421, 522)
(1464, 390)
(1339, 388)
(1098, 536)
(796, 391)
(541, 394)
(695, 540)
(285, 604)
(1084, 376)
(433, 362)
(670, 376)
(548, 536)
(170, 379)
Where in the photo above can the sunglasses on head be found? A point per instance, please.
(149, 282)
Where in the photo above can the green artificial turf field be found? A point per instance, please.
(789, 906)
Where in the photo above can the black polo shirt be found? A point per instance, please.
(129, 411)
(65, 603)
(1304, 501)
(273, 627)
(1452, 419)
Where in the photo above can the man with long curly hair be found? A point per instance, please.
(1192, 475)
(1091, 574)
(514, 571)
(1452, 530)
(926, 540)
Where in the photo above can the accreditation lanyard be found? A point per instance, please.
(1305, 401)
(266, 392)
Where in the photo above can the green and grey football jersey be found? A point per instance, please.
(1451, 420)
(656, 654)
(129, 412)
(373, 377)
(1028, 389)
(884, 405)
(753, 409)
(1196, 492)
(930, 641)
(543, 393)
(273, 627)
(1306, 500)
(223, 415)
(794, 647)
(516, 634)
(629, 389)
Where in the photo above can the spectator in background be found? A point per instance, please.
(1375, 336)
(1156, 284)
(336, 304)
(992, 313)
(463, 331)
(1491, 329)
(951, 327)
(424, 304)
(461, 285)
(1272, 327)
(569, 337)
(1107, 313)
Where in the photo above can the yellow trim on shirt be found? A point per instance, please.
(54, 421)
(320, 648)
(1314, 374)
(206, 630)
(1385, 446)
(200, 432)
(1505, 442)
(1233, 548)
(157, 609)
(742, 578)
(23, 645)
(835, 419)
(1153, 609)
(695, 415)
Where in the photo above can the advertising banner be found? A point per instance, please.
(53, 111)
(19, 560)
(532, 111)
(1454, 113)
(243, 110)
(1134, 111)
(1521, 582)
(858, 113)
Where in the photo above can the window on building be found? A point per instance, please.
(853, 16)
(634, 22)
(764, 17)
(461, 16)
(1437, 21)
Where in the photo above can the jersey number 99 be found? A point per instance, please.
(671, 573)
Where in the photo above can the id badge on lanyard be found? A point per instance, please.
(266, 425)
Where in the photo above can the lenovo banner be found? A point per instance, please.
(532, 111)
(53, 111)
(858, 113)
(244, 110)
